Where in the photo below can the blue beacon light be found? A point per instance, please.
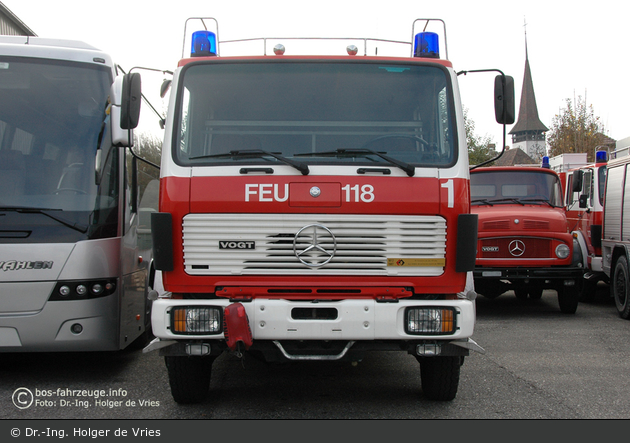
(601, 157)
(545, 162)
(427, 45)
(204, 44)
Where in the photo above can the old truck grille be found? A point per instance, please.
(263, 244)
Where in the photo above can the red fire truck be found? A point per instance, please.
(616, 226)
(584, 190)
(524, 241)
(316, 208)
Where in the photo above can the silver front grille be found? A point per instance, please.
(263, 244)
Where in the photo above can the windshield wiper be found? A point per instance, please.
(257, 153)
(410, 170)
(26, 210)
(484, 201)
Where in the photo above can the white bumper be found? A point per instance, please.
(270, 319)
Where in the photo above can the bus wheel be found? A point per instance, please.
(568, 299)
(440, 377)
(620, 286)
(189, 377)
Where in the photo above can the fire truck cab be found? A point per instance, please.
(316, 207)
(524, 243)
(585, 190)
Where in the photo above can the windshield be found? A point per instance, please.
(51, 113)
(489, 187)
(315, 113)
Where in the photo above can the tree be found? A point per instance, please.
(480, 148)
(576, 129)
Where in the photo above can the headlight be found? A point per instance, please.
(196, 320)
(430, 321)
(562, 251)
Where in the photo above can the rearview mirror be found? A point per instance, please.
(131, 99)
(504, 99)
(166, 85)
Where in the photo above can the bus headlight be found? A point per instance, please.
(430, 321)
(196, 320)
(562, 251)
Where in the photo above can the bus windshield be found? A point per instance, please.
(51, 114)
(317, 112)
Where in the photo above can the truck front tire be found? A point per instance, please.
(189, 377)
(440, 377)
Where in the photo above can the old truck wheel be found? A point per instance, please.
(189, 377)
(521, 293)
(620, 286)
(568, 299)
(440, 377)
(535, 293)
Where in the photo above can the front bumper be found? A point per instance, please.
(553, 274)
(360, 319)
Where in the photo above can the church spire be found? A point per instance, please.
(529, 132)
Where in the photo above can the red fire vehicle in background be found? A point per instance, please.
(616, 227)
(316, 208)
(584, 190)
(524, 243)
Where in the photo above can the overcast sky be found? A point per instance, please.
(576, 48)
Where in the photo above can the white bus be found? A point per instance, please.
(75, 247)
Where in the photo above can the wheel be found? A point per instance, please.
(568, 299)
(620, 285)
(588, 289)
(440, 377)
(521, 293)
(189, 377)
(535, 293)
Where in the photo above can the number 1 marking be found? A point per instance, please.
(451, 196)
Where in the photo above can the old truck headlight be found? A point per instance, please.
(562, 251)
(430, 321)
(196, 320)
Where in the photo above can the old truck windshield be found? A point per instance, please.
(522, 187)
(303, 109)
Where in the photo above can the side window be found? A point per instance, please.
(569, 196)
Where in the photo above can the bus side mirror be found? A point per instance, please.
(504, 99)
(131, 99)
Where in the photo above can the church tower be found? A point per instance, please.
(528, 133)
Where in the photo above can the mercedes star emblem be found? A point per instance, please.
(308, 249)
(516, 248)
